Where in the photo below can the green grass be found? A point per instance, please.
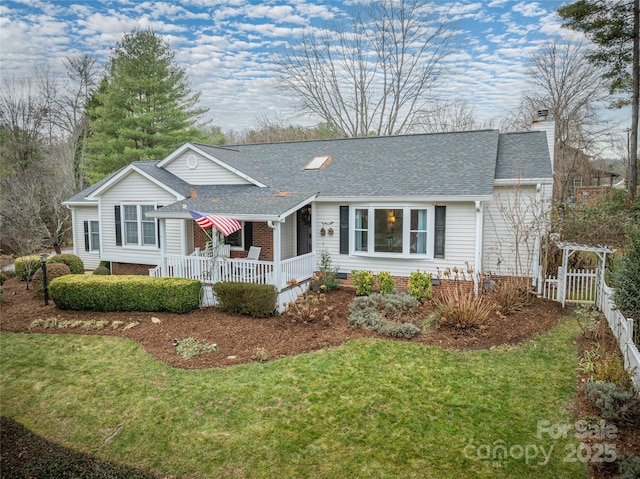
(369, 408)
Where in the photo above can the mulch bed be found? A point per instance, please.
(243, 339)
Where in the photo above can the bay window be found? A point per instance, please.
(396, 231)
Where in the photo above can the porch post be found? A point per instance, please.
(277, 253)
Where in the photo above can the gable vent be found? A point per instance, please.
(318, 163)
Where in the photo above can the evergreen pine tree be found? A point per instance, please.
(143, 110)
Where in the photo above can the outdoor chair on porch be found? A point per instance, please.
(248, 267)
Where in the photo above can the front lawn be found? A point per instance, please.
(370, 408)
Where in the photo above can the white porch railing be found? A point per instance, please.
(211, 270)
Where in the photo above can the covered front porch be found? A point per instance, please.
(211, 270)
(276, 252)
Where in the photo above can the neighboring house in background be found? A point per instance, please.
(425, 202)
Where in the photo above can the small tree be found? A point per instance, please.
(627, 277)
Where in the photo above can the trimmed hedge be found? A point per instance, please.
(257, 300)
(74, 262)
(26, 266)
(125, 293)
(54, 271)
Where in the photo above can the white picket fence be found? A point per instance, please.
(622, 329)
(581, 286)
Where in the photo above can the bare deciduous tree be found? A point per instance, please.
(452, 116)
(42, 127)
(372, 77)
(572, 90)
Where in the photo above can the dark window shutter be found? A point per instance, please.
(344, 230)
(158, 226)
(118, 225)
(248, 235)
(440, 229)
(86, 236)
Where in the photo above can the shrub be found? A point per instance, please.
(627, 278)
(382, 313)
(74, 262)
(53, 271)
(628, 467)
(386, 283)
(26, 266)
(102, 270)
(420, 286)
(362, 282)
(191, 347)
(256, 300)
(125, 293)
(309, 307)
(463, 309)
(615, 403)
(328, 272)
(5, 275)
(512, 295)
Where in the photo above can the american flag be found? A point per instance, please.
(225, 225)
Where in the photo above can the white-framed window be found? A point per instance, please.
(393, 231)
(94, 236)
(138, 230)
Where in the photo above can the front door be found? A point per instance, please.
(303, 221)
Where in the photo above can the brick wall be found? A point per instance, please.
(263, 237)
(402, 284)
(129, 268)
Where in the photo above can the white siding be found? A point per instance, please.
(137, 189)
(512, 222)
(288, 237)
(91, 259)
(459, 243)
(206, 172)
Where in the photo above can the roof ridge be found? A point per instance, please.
(350, 138)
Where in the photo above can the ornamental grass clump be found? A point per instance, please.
(460, 308)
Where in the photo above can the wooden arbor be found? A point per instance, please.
(570, 248)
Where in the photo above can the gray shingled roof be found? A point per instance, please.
(451, 164)
(238, 201)
(523, 155)
(461, 164)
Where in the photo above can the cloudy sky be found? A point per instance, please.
(226, 45)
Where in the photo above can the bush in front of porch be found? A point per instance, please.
(256, 300)
(125, 293)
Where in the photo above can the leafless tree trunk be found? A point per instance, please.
(42, 126)
(572, 89)
(373, 77)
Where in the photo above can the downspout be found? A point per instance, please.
(536, 279)
(163, 247)
(478, 243)
(277, 241)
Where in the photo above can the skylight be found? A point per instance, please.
(318, 162)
